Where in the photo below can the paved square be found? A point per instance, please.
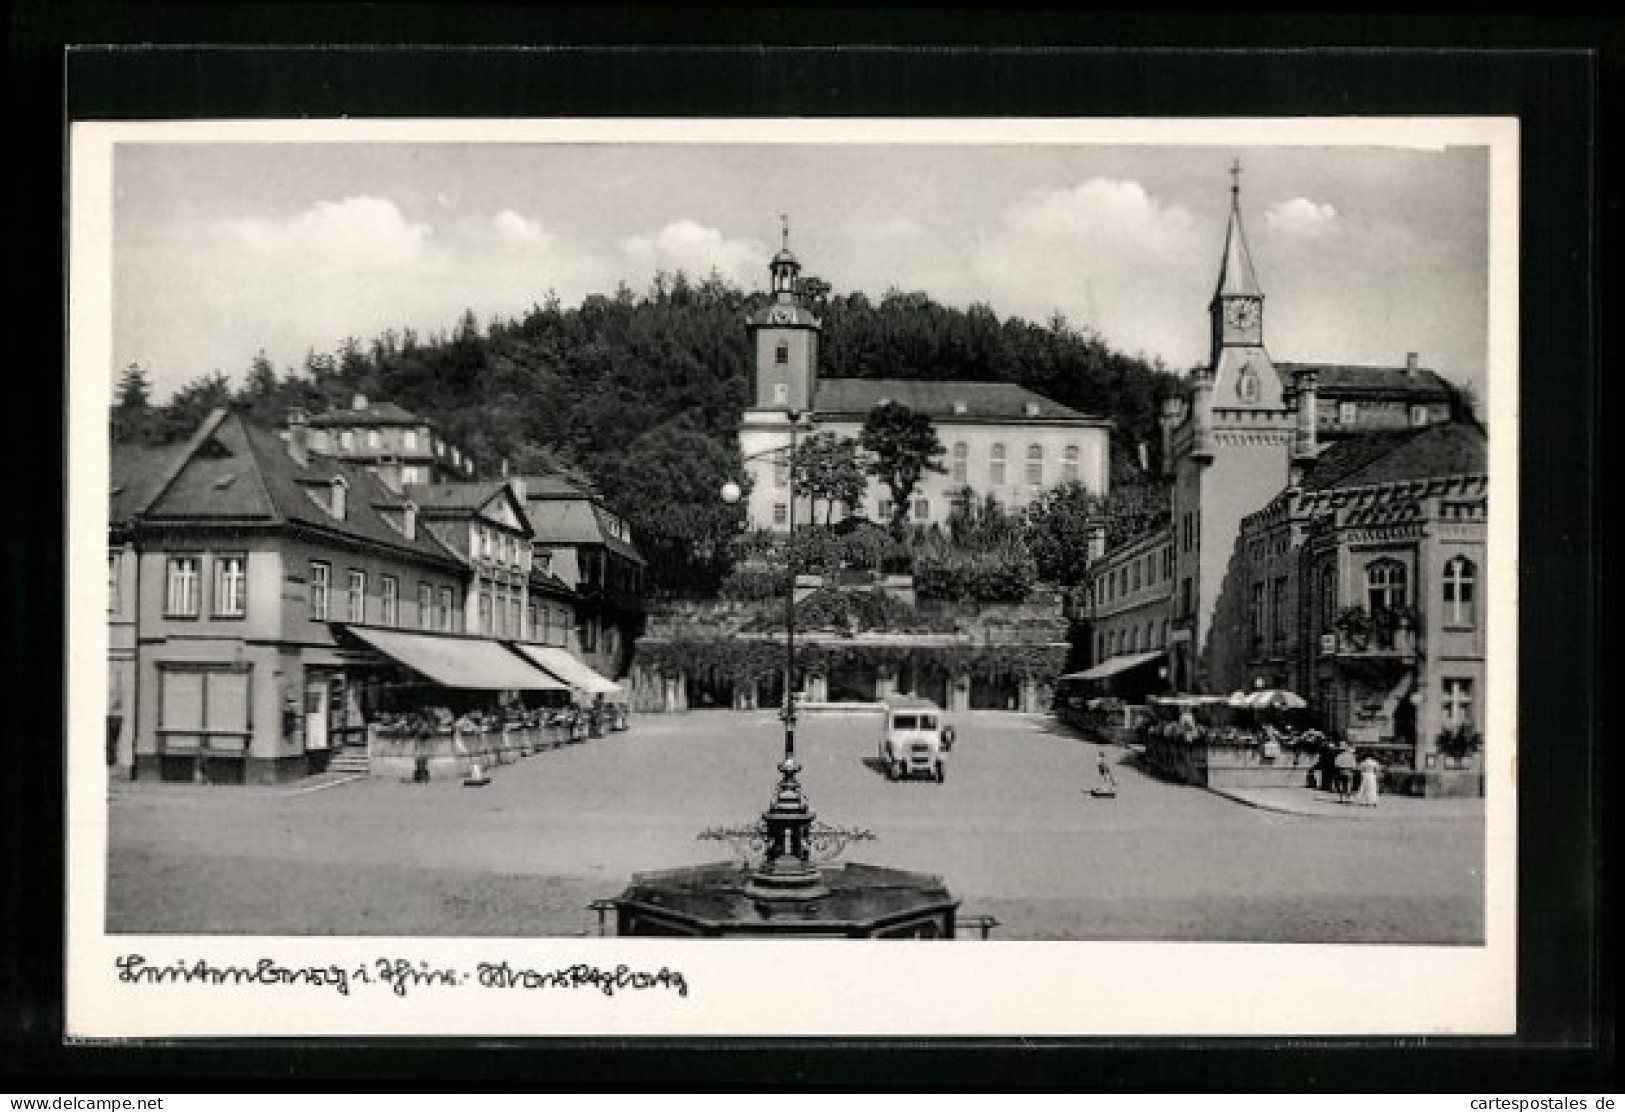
(1014, 832)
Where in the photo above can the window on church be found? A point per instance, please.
(1460, 587)
(1385, 584)
(1458, 702)
(995, 468)
(1347, 412)
(781, 353)
(1035, 465)
(960, 464)
(781, 513)
(1069, 465)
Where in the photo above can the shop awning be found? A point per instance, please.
(463, 662)
(1116, 664)
(570, 670)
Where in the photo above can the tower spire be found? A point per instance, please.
(1236, 276)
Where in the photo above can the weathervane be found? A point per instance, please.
(784, 218)
(1235, 178)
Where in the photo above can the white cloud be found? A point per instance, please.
(520, 231)
(358, 232)
(1301, 217)
(696, 249)
(1111, 257)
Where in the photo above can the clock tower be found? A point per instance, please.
(1241, 373)
(784, 336)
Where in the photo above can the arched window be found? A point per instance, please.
(1035, 465)
(1069, 465)
(961, 455)
(1385, 584)
(995, 468)
(1460, 591)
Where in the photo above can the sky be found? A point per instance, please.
(1365, 253)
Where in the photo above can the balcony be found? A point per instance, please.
(1383, 636)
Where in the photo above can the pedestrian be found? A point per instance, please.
(1108, 782)
(1369, 771)
(1345, 769)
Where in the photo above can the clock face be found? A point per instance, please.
(1242, 314)
(781, 315)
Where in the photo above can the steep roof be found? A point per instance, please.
(455, 497)
(241, 473)
(136, 473)
(1236, 275)
(1349, 380)
(375, 413)
(980, 401)
(1370, 459)
(551, 486)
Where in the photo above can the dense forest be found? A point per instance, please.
(624, 387)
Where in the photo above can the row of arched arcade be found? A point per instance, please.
(748, 673)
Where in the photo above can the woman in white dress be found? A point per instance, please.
(1369, 771)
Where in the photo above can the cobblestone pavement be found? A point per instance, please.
(1014, 831)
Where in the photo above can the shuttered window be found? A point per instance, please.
(204, 709)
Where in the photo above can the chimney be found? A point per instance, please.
(1410, 364)
(1202, 414)
(359, 402)
(504, 467)
(1305, 442)
(1173, 411)
(299, 437)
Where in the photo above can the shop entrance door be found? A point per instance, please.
(316, 714)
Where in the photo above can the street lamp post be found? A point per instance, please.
(787, 872)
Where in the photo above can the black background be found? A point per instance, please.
(1559, 74)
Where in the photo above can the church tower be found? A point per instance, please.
(1230, 458)
(785, 339)
(784, 336)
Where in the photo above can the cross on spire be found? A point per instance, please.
(1235, 179)
(784, 218)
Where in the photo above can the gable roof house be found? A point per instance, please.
(259, 570)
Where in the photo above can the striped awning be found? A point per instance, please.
(570, 670)
(469, 663)
(1108, 668)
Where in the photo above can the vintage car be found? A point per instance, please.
(913, 739)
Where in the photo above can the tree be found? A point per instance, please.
(192, 403)
(1135, 509)
(1057, 532)
(902, 447)
(826, 468)
(668, 485)
(134, 421)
